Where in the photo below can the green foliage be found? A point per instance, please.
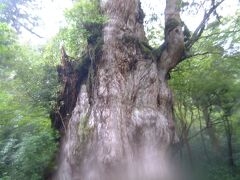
(26, 138)
(85, 23)
(215, 172)
(85, 13)
(38, 78)
(7, 45)
(206, 90)
(33, 156)
(27, 141)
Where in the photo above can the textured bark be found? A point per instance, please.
(122, 124)
(70, 77)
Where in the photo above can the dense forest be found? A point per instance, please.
(119, 93)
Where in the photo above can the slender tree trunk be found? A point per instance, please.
(202, 139)
(122, 123)
(189, 151)
(185, 125)
(211, 130)
(228, 130)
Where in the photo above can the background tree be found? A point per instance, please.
(206, 80)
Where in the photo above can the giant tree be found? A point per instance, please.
(116, 111)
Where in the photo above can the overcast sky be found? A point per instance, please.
(52, 16)
(51, 13)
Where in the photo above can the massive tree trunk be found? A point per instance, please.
(122, 123)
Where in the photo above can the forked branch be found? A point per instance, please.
(199, 30)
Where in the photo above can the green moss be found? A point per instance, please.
(146, 48)
(95, 31)
(84, 130)
(157, 52)
(171, 24)
(126, 38)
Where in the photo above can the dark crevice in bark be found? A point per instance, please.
(72, 73)
(69, 78)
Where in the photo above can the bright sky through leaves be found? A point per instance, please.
(52, 16)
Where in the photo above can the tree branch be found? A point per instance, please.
(194, 55)
(201, 130)
(218, 33)
(174, 38)
(27, 28)
(198, 32)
